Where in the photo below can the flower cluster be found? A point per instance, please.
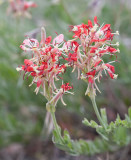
(45, 65)
(85, 52)
(20, 7)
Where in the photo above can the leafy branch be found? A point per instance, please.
(114, 136)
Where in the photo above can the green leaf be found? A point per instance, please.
(86, 122)
(120, 135)
(104, 116)
(93, 124)
(56, 137)
(102, 133)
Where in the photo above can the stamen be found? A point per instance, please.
(75, 28)
(117, 33)
(118, 50)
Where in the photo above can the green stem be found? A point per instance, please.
(96, 111)
(56, 125)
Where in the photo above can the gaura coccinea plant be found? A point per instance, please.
(45, 66)
(84, 52)
(20, 7)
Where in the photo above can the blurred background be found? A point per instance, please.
(23, 135)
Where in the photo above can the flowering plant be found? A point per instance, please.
(45, 66)
(91, 43)
(20, 7)
(49, 61)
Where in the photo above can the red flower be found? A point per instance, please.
(95, 20)
(20, 7)
(106, 27)
(29, 44)
(111, 70)
(72, 57)
(66, 87)
(48, 40)
(112, 50)
(97, 63)
(91, 76)
(29, 69)
(77, 32)
(29, 5)
(58, 39)
(90, 24)
(44, 64)
(93, 49)
(91, 43)
(28, 62)
(39, 83)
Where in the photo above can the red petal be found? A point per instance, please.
(92, 73)
(93, 50)
(58, 39)
(96, 64)
(30, 69)
(48, 40)
(28, 62)
(106, 27)
(112, 50)
(39, 83)
(95, 20)
(90, 23)
(33, 74)
(111, 74)
(90, 80)
(112, 68)
(66, 87)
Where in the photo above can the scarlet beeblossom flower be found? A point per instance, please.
(45, 65)
(21, 7)
(59, 94)
(85, 52)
